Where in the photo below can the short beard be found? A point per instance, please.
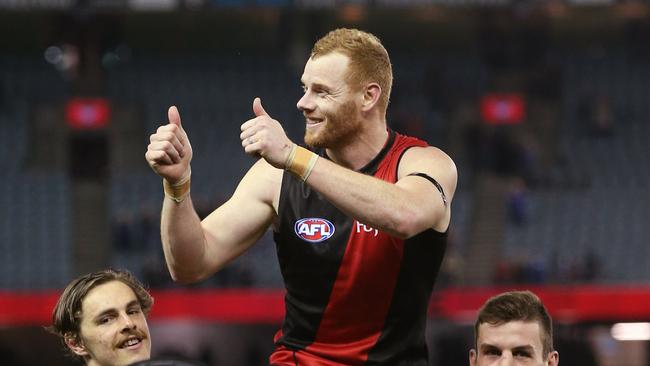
(341, 127)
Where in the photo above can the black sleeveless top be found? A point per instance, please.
(355, 295)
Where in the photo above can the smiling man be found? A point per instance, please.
(359, 215)
(513, 329)
(101, 318)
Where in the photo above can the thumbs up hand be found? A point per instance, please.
(169, 152)
(263, 136)
(258, 109)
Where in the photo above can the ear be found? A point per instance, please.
(75, 344)
(371, 96)
(553, 358)
(472, 357)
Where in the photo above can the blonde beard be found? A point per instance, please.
(341, 127)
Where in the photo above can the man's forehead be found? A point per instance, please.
(109, 295)
(510, 335)
(326, 69)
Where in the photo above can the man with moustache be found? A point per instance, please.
(101, 318)
(359, 216)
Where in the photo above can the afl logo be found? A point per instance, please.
(313, 229)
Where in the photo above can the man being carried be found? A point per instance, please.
(359, 219)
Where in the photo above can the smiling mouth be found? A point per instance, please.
(313, 121)
(130, 343)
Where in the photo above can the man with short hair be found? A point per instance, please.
(101, 318)
(360, 216)
(513, 328)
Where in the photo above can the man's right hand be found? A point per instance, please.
(169, 152)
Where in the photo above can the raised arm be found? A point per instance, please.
(404, 209)
(194, 249)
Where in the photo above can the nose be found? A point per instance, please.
(506, 360)
(127, 322)
(305, 103)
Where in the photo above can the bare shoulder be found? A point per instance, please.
(262, 169)
(432, 161)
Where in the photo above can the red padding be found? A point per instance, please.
(565, 303)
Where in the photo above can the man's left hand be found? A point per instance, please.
(263, 136)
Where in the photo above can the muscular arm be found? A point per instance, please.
(194, 250)
(404, 209)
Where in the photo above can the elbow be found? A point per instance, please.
(184, 278)
(409, 223)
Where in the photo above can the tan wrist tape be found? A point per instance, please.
(178, 191)
(301, 162)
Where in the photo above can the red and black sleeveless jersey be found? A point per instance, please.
(355, 295)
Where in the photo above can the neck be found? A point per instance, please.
(363, 148)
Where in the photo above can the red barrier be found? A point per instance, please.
(567, 304)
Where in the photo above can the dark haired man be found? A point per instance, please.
(513, 328)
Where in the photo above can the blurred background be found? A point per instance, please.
(543, 105)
